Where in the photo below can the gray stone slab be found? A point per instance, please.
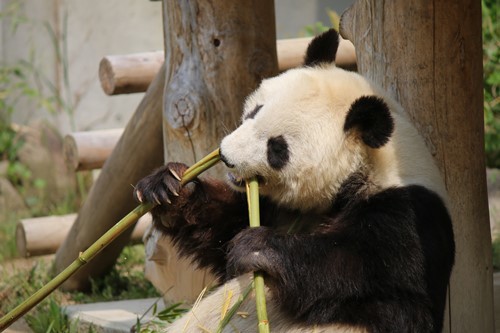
(111, 317)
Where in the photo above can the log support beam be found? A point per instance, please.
(136, 154)
(132, 73)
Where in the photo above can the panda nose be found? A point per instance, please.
(224, 159)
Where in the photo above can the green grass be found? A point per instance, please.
(491, 81)
(125, 281)
(50, 318)
(496, 254)
(8, 249)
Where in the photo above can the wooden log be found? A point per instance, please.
(89, 150)
(130, 73)
(217, 53)
(137, 153)
(428, 55)
(291, 53)
(125, 74)
(44, 235)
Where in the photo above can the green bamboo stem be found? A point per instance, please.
(84, 257)
(205, 163)
(252, 186)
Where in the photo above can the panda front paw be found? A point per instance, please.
(163, 186)
(250, 250)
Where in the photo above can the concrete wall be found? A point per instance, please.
(96, 28)
(293, 15)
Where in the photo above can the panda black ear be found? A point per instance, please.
(371, 118)
(322, 48)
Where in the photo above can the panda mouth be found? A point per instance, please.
(239, 182)
(235, 180)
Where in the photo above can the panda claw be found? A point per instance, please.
(176, 176)
(172, 189)
(138, 195)
(155, 197)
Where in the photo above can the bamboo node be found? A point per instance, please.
(81, 258)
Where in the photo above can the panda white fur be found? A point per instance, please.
(356, 235)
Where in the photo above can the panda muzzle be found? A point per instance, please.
(225, 160)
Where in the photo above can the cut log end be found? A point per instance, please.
(107, 76)
(126, 74)
(89, 150)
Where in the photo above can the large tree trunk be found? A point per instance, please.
(427, 54)
(138, 152)
(216, 54)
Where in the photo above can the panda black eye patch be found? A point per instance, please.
(277, 152)
(252, 114)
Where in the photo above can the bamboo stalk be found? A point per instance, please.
(252, 187)
(84, 257)
(202, 165)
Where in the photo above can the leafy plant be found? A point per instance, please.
(50, 319)
(22, 81)
(491, 83)
(496, 254)
(7, 230)
(319, 27)
(124, 281)
(160, 319)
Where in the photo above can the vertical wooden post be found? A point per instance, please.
(216, 53)
(427, 54)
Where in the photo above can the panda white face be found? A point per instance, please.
(292, 137)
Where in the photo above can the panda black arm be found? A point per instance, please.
(200, 217)
(377, 258)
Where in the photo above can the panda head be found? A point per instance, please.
(304, 132)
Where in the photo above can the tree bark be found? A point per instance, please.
(428, 55)
(217, 52)
(137, 153)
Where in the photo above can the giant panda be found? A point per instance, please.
(356, 234)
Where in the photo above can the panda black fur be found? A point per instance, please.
(356, 234)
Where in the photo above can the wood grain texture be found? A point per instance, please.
(428, 55)
(89, 150)
(126, 74)
(44, 235)
(217, 52)
(136, 154)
